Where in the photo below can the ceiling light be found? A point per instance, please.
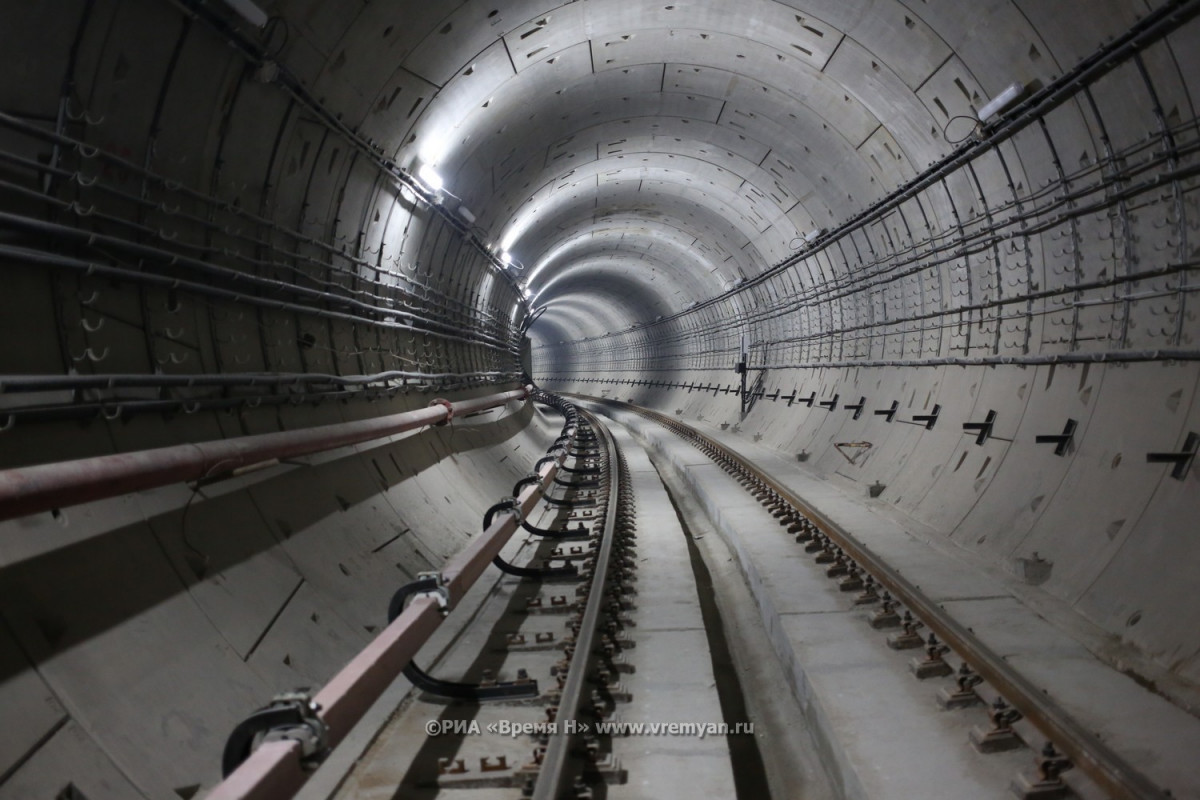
(249, 12)
(429, 176)
(505, 258)
(1001, 101)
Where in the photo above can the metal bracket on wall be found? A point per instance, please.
(983, 429)
(1182, 460)
(1061, 441)
(888, 413)
(928, 420)
(857, 408)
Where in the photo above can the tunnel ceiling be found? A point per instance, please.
(636, 157)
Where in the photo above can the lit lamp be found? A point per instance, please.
(430, 177)
(1001, 101)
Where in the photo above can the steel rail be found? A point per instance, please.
(274, 770)
(28, 490)
(1111, 771)
(553, 773)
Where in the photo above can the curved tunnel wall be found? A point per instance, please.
(1063, 245)
(635, 159)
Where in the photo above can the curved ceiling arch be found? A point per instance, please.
(675, 266)
(747, 126)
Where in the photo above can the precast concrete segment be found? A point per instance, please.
(1163, 733)
(709, 140)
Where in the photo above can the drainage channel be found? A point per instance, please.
(749, 772)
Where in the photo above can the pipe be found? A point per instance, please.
(213, 227)
(257, 56)
(273, 770)
(267, 285)
(1103, 357)
(29, 490)
(166, 282)
(38, 383)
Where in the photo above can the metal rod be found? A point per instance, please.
(119, 273)
(43, 383)
(28, 490)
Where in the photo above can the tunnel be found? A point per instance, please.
(295, 291)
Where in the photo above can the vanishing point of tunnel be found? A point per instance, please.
(483, 399)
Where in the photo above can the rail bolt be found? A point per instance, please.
(1001, 736)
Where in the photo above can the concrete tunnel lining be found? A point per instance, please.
(654, 168)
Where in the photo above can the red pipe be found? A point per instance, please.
(29, 490)
(273, 771)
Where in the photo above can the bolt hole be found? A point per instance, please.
(1134, 619)
(1116, 461)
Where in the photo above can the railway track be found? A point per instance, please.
(542, 665)
(555, 625)
(896, 605)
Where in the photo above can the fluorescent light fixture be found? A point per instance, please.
(505, 258)
(249, 12)
(1001, 101)
(429, 176)
(466, 214)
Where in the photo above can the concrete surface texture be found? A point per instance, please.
(357, 207)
